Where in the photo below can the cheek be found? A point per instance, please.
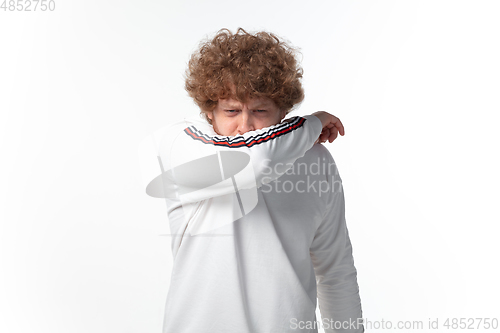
(230, 125)
(225, 125)
(274, 119)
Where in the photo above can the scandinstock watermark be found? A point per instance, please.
(319, 176)
(383, 324)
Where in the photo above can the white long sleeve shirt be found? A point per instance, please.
(258, 231)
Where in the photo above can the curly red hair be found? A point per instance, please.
(243, 66)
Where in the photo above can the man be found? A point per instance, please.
(258, 235)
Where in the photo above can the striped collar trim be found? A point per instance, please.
(240, 141)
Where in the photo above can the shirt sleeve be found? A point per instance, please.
(198, 164)
(336, 275)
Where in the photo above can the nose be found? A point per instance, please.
(245, 123)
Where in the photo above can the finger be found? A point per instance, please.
(333, 135)
(321, 135)
(325, 134)
(338, 124)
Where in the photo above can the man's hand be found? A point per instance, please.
(332, 126)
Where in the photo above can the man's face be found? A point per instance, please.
(232, 117)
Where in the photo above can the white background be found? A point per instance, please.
(416, 84)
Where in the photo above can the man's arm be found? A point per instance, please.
(201, 165)
(336, 276)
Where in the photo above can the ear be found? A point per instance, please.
(282, 114)
(210, 115)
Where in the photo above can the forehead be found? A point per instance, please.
(251, 102)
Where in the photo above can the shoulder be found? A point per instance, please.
(321, 156)
(319, 151)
